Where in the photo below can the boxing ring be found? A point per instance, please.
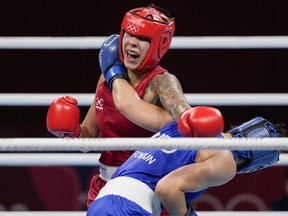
(16, 151)
(200, 213)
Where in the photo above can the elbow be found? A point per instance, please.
(159, 190)
(164, 190)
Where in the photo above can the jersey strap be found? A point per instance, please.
(257, 159)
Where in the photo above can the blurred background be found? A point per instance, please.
(77, 71)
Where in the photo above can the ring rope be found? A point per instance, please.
(178, 42)
(220, 99)
(99, 144)
(200, 213)
(69, 159)
(49, 159)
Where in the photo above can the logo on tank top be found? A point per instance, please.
(161, 135)
(99, 103)
(144, 156)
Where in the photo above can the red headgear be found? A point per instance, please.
(151, 22)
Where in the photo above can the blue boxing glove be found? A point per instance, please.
(110, 64)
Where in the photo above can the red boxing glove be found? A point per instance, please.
(63, 117)
(201, 121)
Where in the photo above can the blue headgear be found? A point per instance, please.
(257, 159)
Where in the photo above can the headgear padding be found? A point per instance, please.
(153, 23)
(256, 159)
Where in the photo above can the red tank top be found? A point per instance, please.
(113, 124)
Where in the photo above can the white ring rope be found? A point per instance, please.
(178, 42)
(220, 99)
(69, 159)
(99, 144)
(200, 213)
(50, 159)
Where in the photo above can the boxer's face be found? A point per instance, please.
(135, 49)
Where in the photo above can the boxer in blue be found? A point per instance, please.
(140, 185)
(152, 179)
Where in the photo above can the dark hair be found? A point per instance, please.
(280, 128)
(163, 10)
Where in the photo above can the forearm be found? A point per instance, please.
(125, 97)
(140, 112)
(173, 200)
(216, 168)
(171, 188)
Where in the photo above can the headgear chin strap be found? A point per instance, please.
(151, 22)
(257, 159)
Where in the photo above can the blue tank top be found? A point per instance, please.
(154, 164)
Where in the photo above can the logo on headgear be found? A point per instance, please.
(132, 28)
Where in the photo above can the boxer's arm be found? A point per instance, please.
(170, 93)
(211, 167)
(214, 168)
(89, 127)
(140, 112)
(136, 110)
